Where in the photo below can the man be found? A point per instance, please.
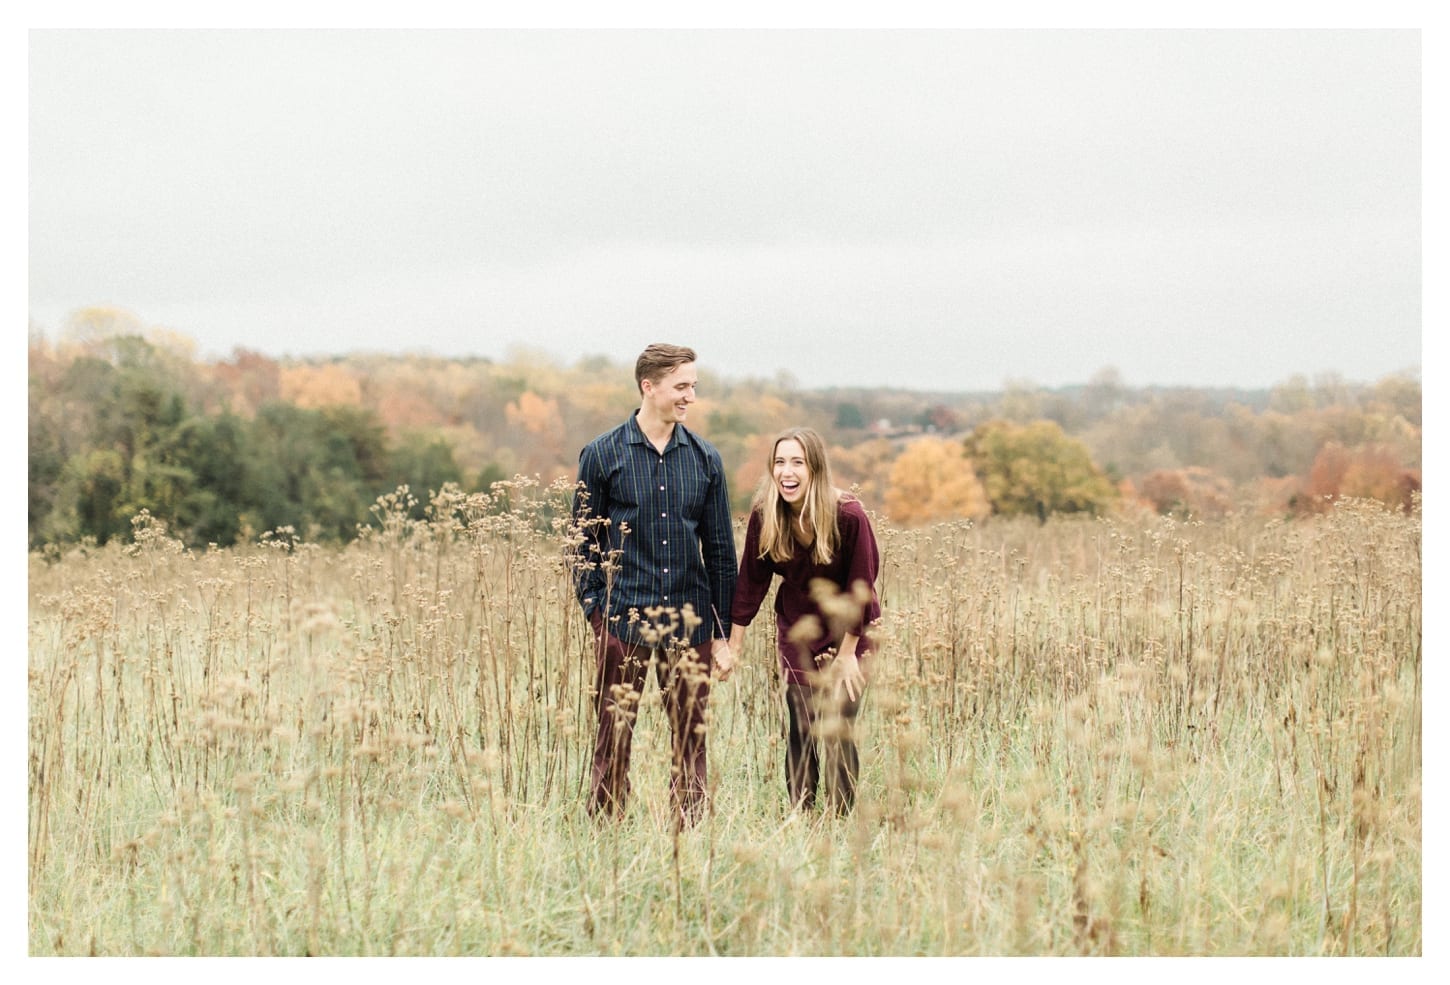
(656, 577)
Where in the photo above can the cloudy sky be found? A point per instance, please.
(940, 209)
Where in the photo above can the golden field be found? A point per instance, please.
(1108, 737)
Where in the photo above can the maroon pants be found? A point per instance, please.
(683, 675)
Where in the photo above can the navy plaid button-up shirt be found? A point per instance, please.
(669, 532)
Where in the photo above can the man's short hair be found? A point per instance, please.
(658, 360)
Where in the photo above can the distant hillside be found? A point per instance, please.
(123, 422)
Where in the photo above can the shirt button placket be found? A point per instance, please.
(665, 541)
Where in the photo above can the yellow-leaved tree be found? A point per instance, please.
(933, 480)
(315, 385)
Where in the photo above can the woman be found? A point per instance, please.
(818, 539)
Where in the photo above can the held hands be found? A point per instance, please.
(724, 659)
(846, 668)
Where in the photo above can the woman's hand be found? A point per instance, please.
(848, 674)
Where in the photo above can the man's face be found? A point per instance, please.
(669, 398)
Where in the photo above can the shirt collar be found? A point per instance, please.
(636, 436)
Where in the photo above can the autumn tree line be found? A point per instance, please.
(124, 418)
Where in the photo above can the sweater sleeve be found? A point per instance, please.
(859, 540)
(754, 578)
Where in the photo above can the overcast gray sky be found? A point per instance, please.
(945, 209)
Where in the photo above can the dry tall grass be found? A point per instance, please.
(1082, 738)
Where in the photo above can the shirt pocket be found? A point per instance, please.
(629, 489)
(689, 487)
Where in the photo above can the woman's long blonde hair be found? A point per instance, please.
(777, 540)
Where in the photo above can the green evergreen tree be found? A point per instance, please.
(424, 464)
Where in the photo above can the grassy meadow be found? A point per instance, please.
(1090, 737)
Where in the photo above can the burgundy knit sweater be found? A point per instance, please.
(856, 559)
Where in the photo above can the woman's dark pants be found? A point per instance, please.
(820, 747)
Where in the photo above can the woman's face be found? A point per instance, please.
(792, 475)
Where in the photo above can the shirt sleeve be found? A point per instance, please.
(754, 577)
(717, 547)
(591, 507)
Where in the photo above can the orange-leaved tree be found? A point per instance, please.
(1192, 491)
(1368, 472)
(539, 418)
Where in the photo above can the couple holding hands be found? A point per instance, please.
(658, 580)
